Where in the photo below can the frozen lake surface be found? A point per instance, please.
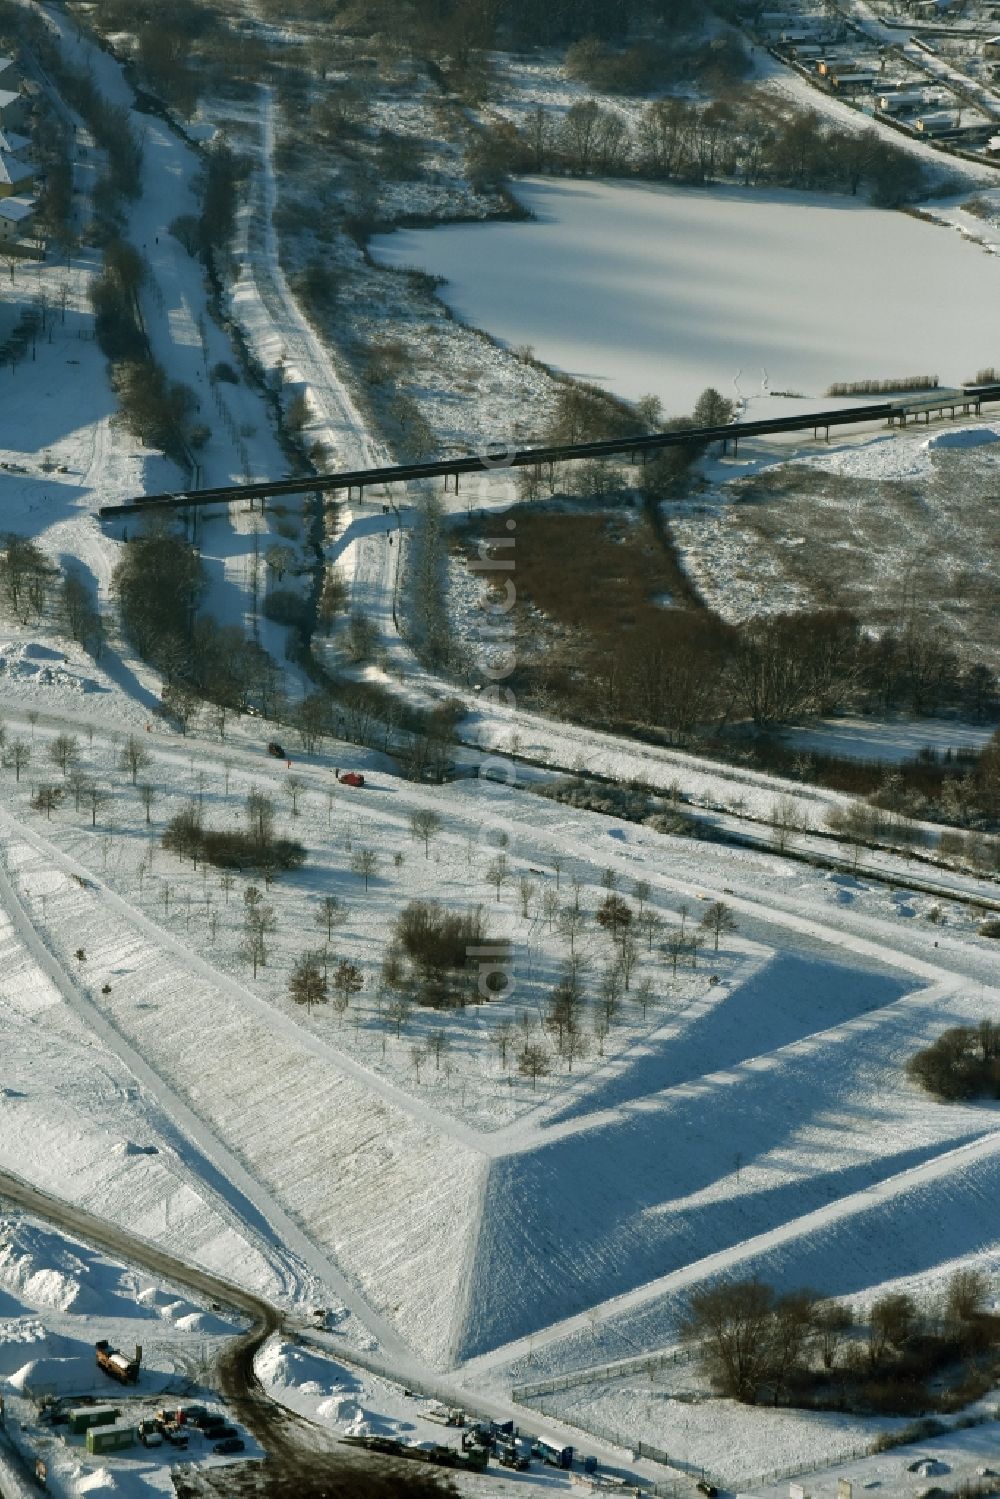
(665, 289)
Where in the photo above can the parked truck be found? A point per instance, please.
(116, 1364)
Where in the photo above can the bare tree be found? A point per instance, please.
(611, 989)
(628, 956)
(96, 797)
(365, 864)
(259, 921)
(534, 1062)
(526, 890)
(425, 824)
(331, 912)
(502, 1036)
(640, 893)
(645, 995)
(47, 799)
(572, 920)
(307, 984)
(347, 981)
(437, 1045)
(134, 757)
(649, 924)
(675, 945)
(498, 872)
(574, 1046)
(550, 905)
(398, 1011)
(718, 919)
(294, 787)
(78, 780)
(63, 751)
(615, 916)
(147, 795)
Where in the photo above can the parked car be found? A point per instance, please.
(352, 778)
(224, 1433)
(275, 750)
(708, 1489)
(230, 1444)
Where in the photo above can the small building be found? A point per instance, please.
(900, 101)
(16, 218)
(8, 73)
(853, 83)
(16, 177)
(938, 123)
(991, 48)
(86, 1416)
(12, 143)
(110, 1438)
(13, 109)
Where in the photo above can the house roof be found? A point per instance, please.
(16, 209)
(6, 97)
(12, 143)
(13, 171)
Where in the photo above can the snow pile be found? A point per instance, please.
(287, 1366)
(101, 1478)
(54, 1376)
(963, 437)
(17, 1339)
(44, 1279)
(42, 666)
(339, 1409)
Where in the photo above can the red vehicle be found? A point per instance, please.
(351, 778)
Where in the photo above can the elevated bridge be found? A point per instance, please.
(967, 401)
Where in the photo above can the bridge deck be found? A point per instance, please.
(499, 458)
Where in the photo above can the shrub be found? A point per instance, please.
(964, 1062)
(185, 836)
(883, 387)
(439, 948)
(989, 928)
(286, 607)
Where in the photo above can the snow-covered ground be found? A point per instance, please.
(456, 1221)
(668, 290)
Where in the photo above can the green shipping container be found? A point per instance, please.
(92, 1415)
(110, 1438)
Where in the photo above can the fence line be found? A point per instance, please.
(645, 1363)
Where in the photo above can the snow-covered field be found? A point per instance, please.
(458, 1222)
(668, 290)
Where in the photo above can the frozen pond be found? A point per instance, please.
(892, 740)
(665, 289)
